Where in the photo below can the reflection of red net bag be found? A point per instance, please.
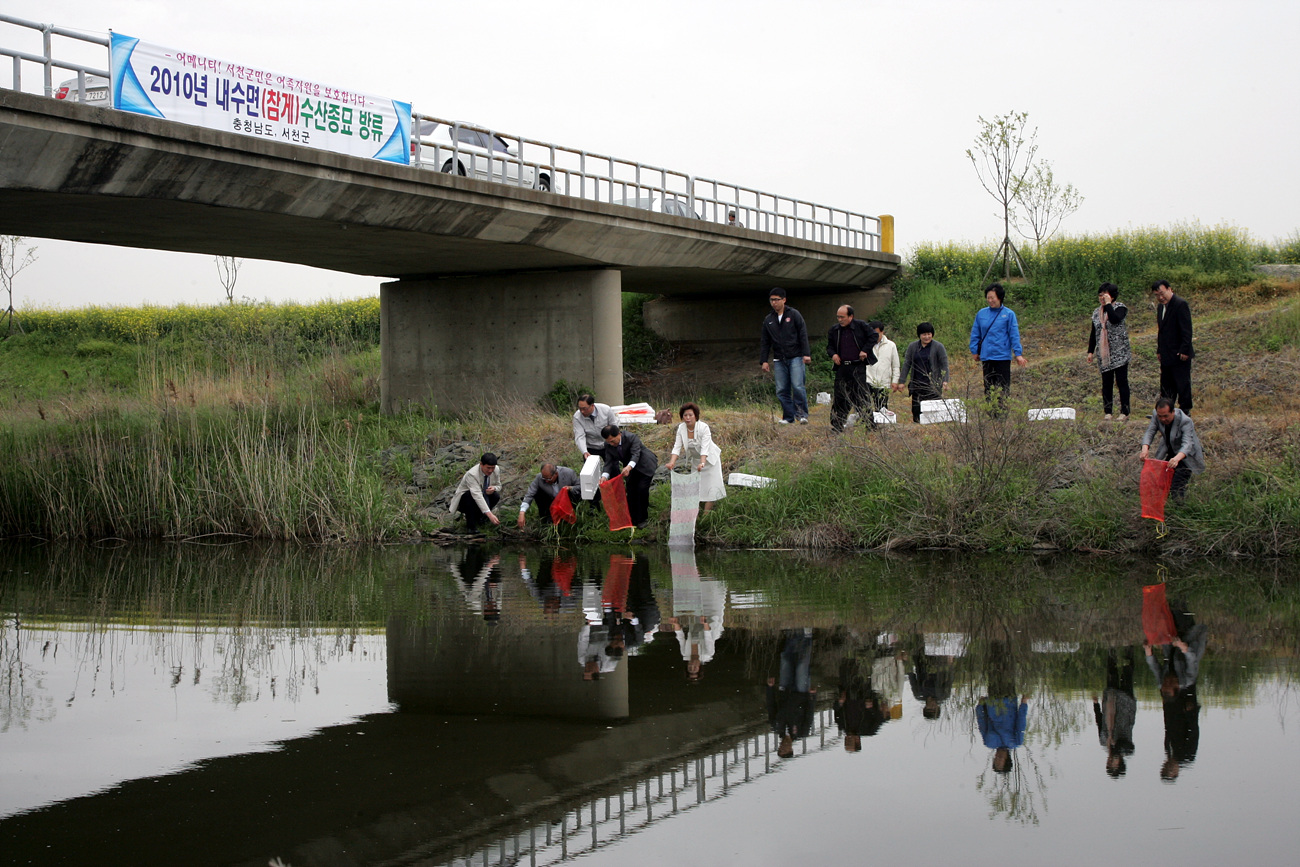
(1157, 621)
(1154, 487)
(613, 496)
(562, 508)
(613, 593)
(562, 574)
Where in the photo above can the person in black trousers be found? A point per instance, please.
(625, 453)
(1174, 345)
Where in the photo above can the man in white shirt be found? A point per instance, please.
(588, 422)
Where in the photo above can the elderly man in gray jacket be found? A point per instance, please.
(546, 487)
(1179, 444)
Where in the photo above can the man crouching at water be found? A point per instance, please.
(1178, 444)
(478, 493)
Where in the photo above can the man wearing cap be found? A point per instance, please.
(483, 484)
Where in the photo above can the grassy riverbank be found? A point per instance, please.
(261, 421)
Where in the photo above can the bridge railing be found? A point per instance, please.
(542, 165)
(604, 178)
(46, 60)
(651, 798)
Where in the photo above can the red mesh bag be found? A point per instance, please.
(562, 574)
(1157, 621)
(613, 496)
(1156, 477)
(562, 508)
(613, 593)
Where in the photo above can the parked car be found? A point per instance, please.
(672, 205)
(96, 91)
(468, 150)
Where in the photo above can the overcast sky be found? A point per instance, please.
(1158, 112)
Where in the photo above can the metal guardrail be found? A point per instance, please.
(557, 168)
(596, 177)
(46, 58)
(661, 795)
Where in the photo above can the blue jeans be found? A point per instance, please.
(796, 662)
(790, 387)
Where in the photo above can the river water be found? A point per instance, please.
(253, 705)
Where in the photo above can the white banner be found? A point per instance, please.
(203, 91)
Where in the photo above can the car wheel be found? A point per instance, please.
(460, 167)
(544, 183)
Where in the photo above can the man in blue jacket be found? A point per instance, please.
(785, 344)
(995, 341)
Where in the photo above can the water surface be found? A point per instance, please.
(418, 706)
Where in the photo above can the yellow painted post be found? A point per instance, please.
(886, 233)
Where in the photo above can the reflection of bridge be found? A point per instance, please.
(655, 796)
(493, 283)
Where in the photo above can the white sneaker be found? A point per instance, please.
(1106, 416)
(785, 421)
(803, 420)
(1122, 417)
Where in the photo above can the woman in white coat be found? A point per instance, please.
(695, 441)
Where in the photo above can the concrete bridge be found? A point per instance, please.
(493, 289)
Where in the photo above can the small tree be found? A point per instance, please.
(13, 259)
(228, 271)
(1002, 156)
(1041, 204)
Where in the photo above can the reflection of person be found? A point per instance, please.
(784, 343)
(930, 680)
(695, 439)
(483, 485)
(1177, 675)
(850, 345)
(925, 369)
(882, 376)
(1109, 343)
(480, 580)
(1116, 711)
(699, 606)
(546, 487)
(1179, 444)
(625, 453)
(1001, 718)
(995, 341)
(1174, 345)
(587, 424)
(858, 710)
(790, 701)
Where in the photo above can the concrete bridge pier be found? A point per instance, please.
(458, 343)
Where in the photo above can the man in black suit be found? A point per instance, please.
(1174, 345)
(625, 453)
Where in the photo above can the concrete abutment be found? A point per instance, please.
(458, 343)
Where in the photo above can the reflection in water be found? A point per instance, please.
(945, 673)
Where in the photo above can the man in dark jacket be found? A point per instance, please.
(850, 345)
(785, 344)
(625, 453)
(1174, 345)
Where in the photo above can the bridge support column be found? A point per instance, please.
(459, 343)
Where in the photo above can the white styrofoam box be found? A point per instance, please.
(936, 411)
(633, 413)
(823, 399)
(589, 478)
(745, 480)
(885, 416)
(1061, 412)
